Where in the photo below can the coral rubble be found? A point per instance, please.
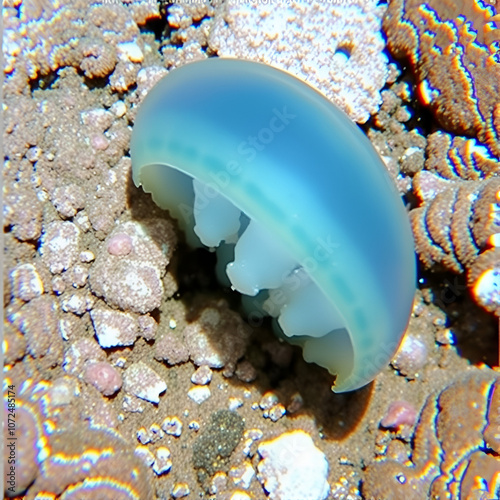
(453, 445)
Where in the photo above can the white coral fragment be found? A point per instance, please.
(142, 381)
(293, 468)
(337, 47)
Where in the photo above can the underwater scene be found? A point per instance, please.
(251, 249)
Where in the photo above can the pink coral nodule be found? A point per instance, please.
(120, 244)
(399, 414)
(104, 377)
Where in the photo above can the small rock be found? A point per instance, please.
(155, 432)
(147, 327)
(411, 356)
(58, 285)
(246, 372)
(202, 376)
(129, 267)
(79, 276)
(172, 426)
(275, 413)
(114, 328)
(130, 51)
(162, 462)
(26, 282)
(240, 495)
(103, 377)
(68, 199)
(99, 142)
(445, 337)
(194, 425)
(79, 353)
(293, 468)
(199, 394)
(59, 246)
(218, 338)
(172, 349)
(296, 403)
(37, 320)
(97, 119)
(218, 440)
(120, 244)
(399, 414)
(180, 490)
(234, 403)
(143, 436)
(142, 381)
(78, 303)
(242, 475)
(87, 256)
(119, 108)
(268, 400)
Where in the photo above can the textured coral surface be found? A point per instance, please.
(453, 49)
(130, 373)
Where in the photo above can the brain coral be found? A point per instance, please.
(456, 447)
(107, 43)
(336, 47)
(453, 48)
(74, 461)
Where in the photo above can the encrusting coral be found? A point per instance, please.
(456, 442)
(453, 50)
(107, 43)
(62, 458)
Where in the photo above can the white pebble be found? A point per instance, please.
(155, 432)
(242, 475)
(131, 51)
(275, 413)
(268, 400)
(240, 495)
(162, 462)
(143, 436)
(65, 328)
(172, 426)
(26, 282)
(293, 468)
(251, 436)
(486, 289)
(142, 381)
(114, 328)
(119, 108)
(180, 490)
(77, 303)
(194, 425)
(234, 403)
(199, 393)
(59, 248)
(86, 256)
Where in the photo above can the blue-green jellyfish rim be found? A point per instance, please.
(312, 178)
